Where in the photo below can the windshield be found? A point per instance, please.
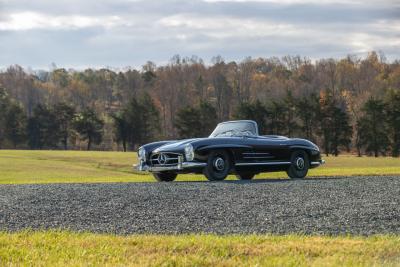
(235, 129)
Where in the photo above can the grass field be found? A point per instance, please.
(20, 166)
(60, 248)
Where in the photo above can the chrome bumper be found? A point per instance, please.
(142, 166)
(319, 162)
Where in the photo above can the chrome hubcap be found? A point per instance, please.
(219, 164)
(300, 163)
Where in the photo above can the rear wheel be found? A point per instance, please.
(299, 165)
(218, 165)
(165, 176)
(245, 175)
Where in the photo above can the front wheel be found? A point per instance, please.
(218, 165)
(165, 176)
(299, 165)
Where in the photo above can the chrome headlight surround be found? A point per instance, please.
(142, 154)
(189, 152)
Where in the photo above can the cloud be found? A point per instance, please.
(119, 33)
(32, 20)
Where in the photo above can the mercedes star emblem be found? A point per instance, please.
(162, 158)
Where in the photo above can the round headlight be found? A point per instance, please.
(189, 153)
(142, 154)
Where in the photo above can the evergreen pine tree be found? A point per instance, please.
(372, 127)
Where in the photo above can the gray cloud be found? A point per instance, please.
(128, 33)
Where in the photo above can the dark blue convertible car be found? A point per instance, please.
(234, 147)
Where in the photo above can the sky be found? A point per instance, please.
(128, 33)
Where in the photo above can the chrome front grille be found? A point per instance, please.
(165, 159)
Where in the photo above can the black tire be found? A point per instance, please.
(299, 165)
(165, 176)
(218, 165)
(245, 175)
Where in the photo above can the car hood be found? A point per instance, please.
(176, 146)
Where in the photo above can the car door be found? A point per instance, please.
(266, 149)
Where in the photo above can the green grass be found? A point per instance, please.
(25, 166)
(62, 248)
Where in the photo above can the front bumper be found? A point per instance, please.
(182, 165)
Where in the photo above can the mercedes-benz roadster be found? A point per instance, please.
(234, 147)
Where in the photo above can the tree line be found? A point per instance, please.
(350, 104)
(52, 127)
(48, 126)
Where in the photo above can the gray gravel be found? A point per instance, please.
(356, 205)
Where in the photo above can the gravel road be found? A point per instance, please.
(356, 205)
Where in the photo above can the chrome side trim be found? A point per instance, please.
(263, 163)
(193, 164)
(321, 162)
